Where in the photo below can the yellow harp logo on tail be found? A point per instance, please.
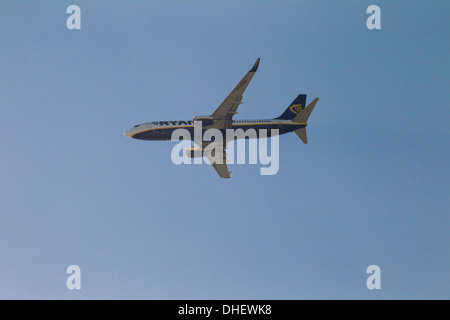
(296, 108)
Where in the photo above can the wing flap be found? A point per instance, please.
(222, 170)
(221, 165)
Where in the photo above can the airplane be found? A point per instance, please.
(294, 119)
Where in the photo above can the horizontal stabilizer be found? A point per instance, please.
(301, 133)
(303, 116)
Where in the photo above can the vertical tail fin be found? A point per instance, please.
(294, 108)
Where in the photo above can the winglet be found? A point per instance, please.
(255, 67)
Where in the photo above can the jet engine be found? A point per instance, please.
(194, 152)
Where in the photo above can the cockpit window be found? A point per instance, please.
(136, 126)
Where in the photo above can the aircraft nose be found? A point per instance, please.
(129, 133)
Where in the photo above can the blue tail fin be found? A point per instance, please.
(294, 108)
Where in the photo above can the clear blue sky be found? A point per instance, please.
(371, 187)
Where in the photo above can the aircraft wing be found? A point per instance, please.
(224, 113)
(220, 167)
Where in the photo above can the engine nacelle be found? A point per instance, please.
(194, 152)
(206, 121)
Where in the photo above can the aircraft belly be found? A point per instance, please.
(249, 132)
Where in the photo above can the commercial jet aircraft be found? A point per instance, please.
(294, 119)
